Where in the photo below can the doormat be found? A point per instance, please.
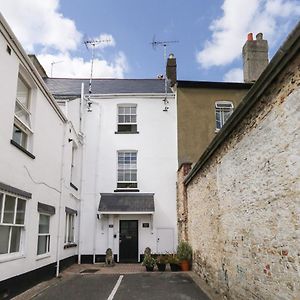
(89, 271)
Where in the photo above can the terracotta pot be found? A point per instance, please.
(185, 265)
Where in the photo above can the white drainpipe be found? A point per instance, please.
(81, 125)
(58, 239)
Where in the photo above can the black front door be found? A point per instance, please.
(128, 243)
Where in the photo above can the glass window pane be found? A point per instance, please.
(121, 110)
(71, 229)
(133, 119)
(42, 244)
(127, 119)
(1, 204)
(133, 176)
(127, 110)
(4, 237)
(121, 119)
(9, 209)
(66, 226)
(20, 211)
(23, 92)
(15, 239)
(44, 224)
(22, 114)
(19, 136)
(133, 110)
(127, 176)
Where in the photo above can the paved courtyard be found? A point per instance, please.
(94, 282)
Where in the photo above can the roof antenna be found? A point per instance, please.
(92, 44)
(163, 44)
(54, 63)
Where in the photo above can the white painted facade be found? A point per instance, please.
(156, 146)
(70, 158)
(43, 169)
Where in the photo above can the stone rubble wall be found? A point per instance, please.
(244, 204)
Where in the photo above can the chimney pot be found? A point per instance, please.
(250, 36)
(259, 36)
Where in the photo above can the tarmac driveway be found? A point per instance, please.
(143, 286)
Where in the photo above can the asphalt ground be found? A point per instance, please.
(143, 286)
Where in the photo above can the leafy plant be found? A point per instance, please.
(149, 261)
(173, 259)
(184, 251)
(161, 259)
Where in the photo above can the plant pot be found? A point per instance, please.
(185, 265)
(175, 267)
(161, 267)
(149, 269)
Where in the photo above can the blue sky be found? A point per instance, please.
(210, 34)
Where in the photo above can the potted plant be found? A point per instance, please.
(149, 263)
(184, 253)
(161, 263)
(174, 262)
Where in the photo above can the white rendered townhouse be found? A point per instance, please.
(129, 166)
(38, 202)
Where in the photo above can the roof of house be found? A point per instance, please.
(213, 85)
(72, 86)
(126, 202)
(283, 56)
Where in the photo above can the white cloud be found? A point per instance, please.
(239, 17)
(77, 67)
(39, 23)
(234, 75)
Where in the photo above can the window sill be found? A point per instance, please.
(127, 132)
(43, 256)
(22, 149)
(73, 186)
(10, 257)
(71, 245)
(126, 190)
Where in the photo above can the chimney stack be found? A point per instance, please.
(255, 57)
(171, 69)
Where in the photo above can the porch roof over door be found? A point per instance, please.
(126, 203)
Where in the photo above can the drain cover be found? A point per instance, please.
(89, 271)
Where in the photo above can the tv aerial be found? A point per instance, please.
(91, 44)
(52, 65)
(163, 44)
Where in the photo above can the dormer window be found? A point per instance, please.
(224, 109)
(127, 118)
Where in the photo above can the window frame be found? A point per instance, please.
(74, 172)
(25, 128)
(48, 236)
(12, 224)
(69, 216)
(129, 182)
(133, 125)
(219, 110)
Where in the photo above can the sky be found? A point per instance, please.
(209, 34)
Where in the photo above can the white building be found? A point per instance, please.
(39, 195)
(129, 166)
(75, 182)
